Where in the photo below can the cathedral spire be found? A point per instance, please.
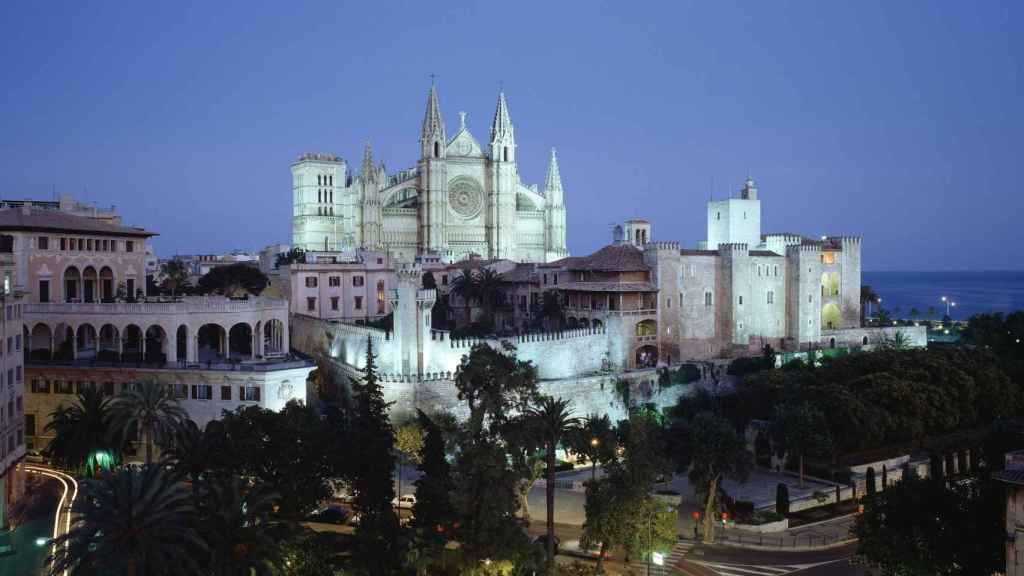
(432, 137)
(553, 183)
(503, 140)
(369, 172)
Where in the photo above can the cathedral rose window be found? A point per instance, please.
(465, 197)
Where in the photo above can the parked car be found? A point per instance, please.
(542, 541)
(329, 515)
(404, 501)
(35, 457)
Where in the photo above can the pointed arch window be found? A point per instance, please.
(504, 154)
(437, 150)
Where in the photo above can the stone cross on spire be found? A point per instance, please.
(501, 127)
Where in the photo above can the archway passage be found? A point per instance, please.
(212, 343)
(89, 281)
(41, 343)
(72, 280)
(646, 356)
(86, 340)
(181, 343)
(131, 344)
(63, 343)
(156, 345)
(647, 328)
(273, 339)
(830, 317)
(106, 284)
(110, 344)
(240, 341)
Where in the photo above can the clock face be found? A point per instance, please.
(465, 148)
(465, 197)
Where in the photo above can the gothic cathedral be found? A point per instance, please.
(458, 199)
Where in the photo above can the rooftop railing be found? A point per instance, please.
(160, 306)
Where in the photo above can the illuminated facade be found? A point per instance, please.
(459, 199)
(12, 385)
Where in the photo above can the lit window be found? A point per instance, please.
(249, 393)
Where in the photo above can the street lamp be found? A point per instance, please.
(594, 443)
(949, 303)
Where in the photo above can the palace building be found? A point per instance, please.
(459, 199)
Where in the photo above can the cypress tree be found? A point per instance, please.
(885, 477)
(782, 498)
(372, 480)
(869, 480)
(433, 512)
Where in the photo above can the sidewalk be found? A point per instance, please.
(817, 536)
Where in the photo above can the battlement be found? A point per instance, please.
(809, 248)
(853, 240)
(467, 343)
(418, 377)
(664, 245)
(319, 157)
(787, 239)
(408, 271)
(733, 248)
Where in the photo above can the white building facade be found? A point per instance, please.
(459, 199)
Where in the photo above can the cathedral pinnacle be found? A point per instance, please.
(369, 173)
(553, 183)
(433, 124)
(501, 128)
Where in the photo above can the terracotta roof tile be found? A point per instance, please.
(37, 219)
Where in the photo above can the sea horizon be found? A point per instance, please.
(973, 291)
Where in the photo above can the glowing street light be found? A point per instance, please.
(949, 303)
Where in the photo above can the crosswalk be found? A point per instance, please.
(728, 569)
(675, 556)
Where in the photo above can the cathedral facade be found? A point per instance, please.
(459, 199)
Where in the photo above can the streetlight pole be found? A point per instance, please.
(949, 303)
(594, 443)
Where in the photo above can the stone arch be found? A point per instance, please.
(830, 317)
(72, 284)
(157, 345)
(213, 343)
(90, 280)
(647, 327)
(646, 356)
(240, 341)
(110, 343)
(107, 284)
(86, 338)
(40, 342)
(181, 343)
(864, 341)
(273, 338)
(584, 323)
(64, 342)
(571, 322)
(596, 324)
(831, 342)
(131, 343)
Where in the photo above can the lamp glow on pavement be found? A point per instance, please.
(42, 541)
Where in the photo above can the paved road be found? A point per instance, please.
(725, 561)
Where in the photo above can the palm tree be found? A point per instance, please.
(134, 522)
(175, 275)
(235, 523)
(149, 408)
(553, 419)
(81, 431)
(488, 284)
(595, 440)
(194, 451)
(464, 285)
(867, 297)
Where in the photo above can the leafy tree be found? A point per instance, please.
(285, 451)
(175, 273)
(604, 526)
(82, 430)
(495, 385)
(548, 311)
(782, 498)
(554, 421)
(709, 447)
(524, 444)
(226, 280)
(373, 440)
(433, 514)
(132, 521)
(920, 527)
(309, 553)
(801, 430)
(150, 409)
(486, 501)
(440, 314)
(914, 313)
(237, 525)
(294, 256)
(194, 453)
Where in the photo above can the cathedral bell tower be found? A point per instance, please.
(501, 203)
(433, 178)
(554, 213)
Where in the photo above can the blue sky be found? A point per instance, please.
(897, 121)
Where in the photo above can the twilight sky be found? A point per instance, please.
(898, 121)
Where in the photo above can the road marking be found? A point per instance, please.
(727, 569)
(69, 483)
